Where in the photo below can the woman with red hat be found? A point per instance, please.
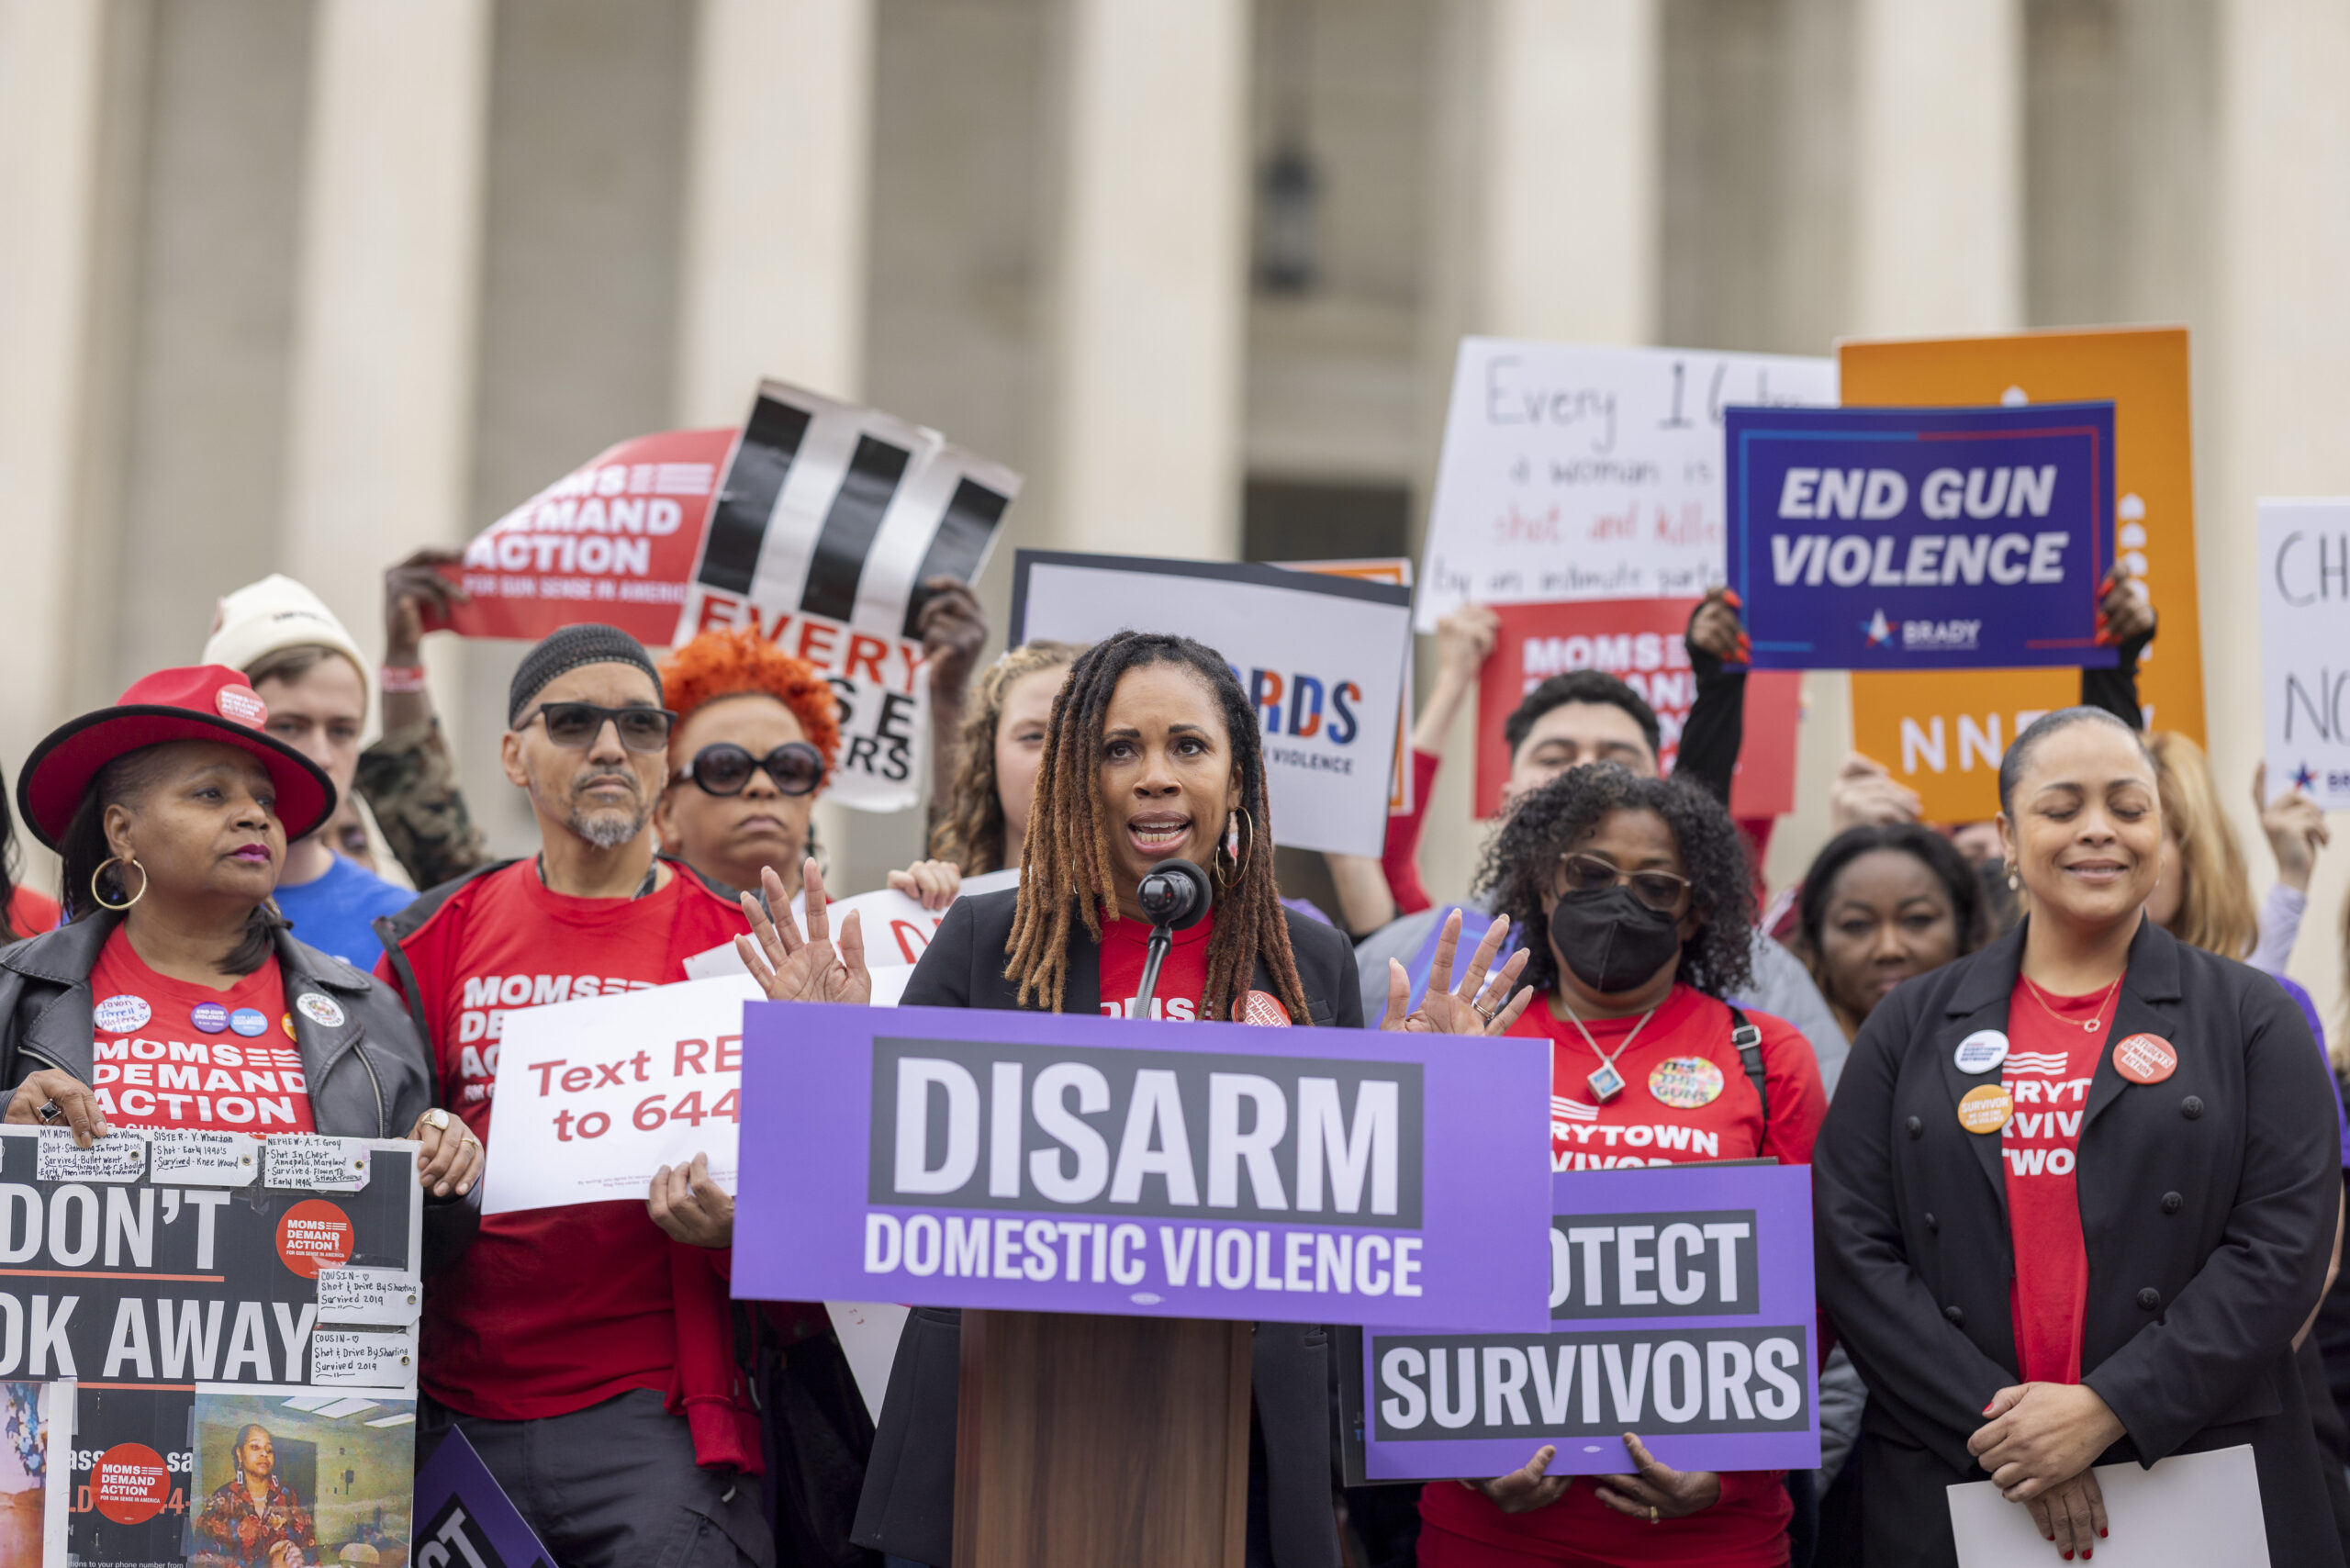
(171, 810)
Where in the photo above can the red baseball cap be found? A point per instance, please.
(201, 702)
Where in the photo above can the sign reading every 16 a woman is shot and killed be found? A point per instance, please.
(949, 1158)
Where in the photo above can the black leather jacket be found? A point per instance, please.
(368, 1076)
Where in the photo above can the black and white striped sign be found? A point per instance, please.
(828, 520)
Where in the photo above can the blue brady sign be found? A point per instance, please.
(1921, 538)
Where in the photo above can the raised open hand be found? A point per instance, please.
(1475, 1006)
(793, 968)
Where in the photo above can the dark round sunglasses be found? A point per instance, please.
(576, 725)
(795, 767)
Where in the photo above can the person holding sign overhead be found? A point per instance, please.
(1634, 902)
(1152, 753)
(175, 996)
(2077, 1194)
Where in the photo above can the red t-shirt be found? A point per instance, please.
(1683, 1055)
(30, 913)
(1125, 944)
(553, 1309)
(2049, 1066)
(171, 1053)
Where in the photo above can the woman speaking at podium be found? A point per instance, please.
(2076, 1194)
(1153, 754)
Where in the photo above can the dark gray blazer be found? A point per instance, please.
(367, 1076)
(2208, 1205)
(908, 1506)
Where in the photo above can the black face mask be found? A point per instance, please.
(1612, 941)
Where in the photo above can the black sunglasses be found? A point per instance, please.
(795, 767)
(1580, 873)
(576, 725)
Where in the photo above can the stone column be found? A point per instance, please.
(386, 298)
(57, 82)
(776, 202)
(1151, 278)
(2283, 240)
(1938, 182)
(1546, 217)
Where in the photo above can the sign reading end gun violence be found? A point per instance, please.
(1876, 539)
(949, 1158)
(1681, 1310)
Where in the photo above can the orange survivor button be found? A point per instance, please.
(2145, 1059)
(1985, 1108)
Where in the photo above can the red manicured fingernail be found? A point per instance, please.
(1730, 597)
(2069, 1556)
(2100, 1533)
(1987, 1409)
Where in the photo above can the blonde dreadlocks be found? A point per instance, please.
(971, 832)
(1068, 876)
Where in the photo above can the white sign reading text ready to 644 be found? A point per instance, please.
(1572, 472)
(2305, 648)
(593, 1097)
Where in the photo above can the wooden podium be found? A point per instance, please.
(1084, 1441)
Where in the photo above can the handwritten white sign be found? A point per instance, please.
(1574, 472)
(2305, 648)
(117, 1157)
(203, 1157)
(393, 1297)
(298, 1160)
(363, 1358)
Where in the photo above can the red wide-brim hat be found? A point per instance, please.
(201, 702)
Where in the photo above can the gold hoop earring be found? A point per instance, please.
(100, 871)
(1248, 845)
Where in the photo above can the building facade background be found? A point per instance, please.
(299, 284)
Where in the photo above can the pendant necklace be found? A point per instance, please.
(1604, 1081)
(2095, 1021)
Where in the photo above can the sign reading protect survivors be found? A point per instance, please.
(949, 1158)
(1873, 539)
(1681, 1310)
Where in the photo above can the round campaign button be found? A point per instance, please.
(243, 704)
(321, 1010)
(2145, 1059)
(116, 1013)
(1984, 1109)
(1981, 1051)
(208, 1016)
(1261, 1008)
(129, 1483)
(1686, 1082)
(247, 1020)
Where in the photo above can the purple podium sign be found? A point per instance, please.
(1681, 1311)
(940, 1156)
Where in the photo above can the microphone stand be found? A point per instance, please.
(1162, 942)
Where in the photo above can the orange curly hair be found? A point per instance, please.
(728, 664)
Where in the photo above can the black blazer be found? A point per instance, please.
(908, 1506)
(2207, 1205)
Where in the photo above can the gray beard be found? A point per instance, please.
(608, 830)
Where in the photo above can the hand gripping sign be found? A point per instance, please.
(829, 520)
(1681, 1310)
(1873, 539)
(953, 1158)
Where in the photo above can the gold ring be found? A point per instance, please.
(1654, 1517)
(437, 1119)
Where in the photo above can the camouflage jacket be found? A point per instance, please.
(409, 780)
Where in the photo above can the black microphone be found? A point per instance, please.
(1175, 895)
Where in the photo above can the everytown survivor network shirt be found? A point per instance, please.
(555, 1309)
(1685, 1098)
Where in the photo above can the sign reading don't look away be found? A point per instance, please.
(949, 1158)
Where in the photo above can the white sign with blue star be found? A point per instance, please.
(2305, 646)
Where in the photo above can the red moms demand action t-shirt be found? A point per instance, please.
(2050, 1060)
(1181, 978)
(171, 1053)
(553, 1309)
